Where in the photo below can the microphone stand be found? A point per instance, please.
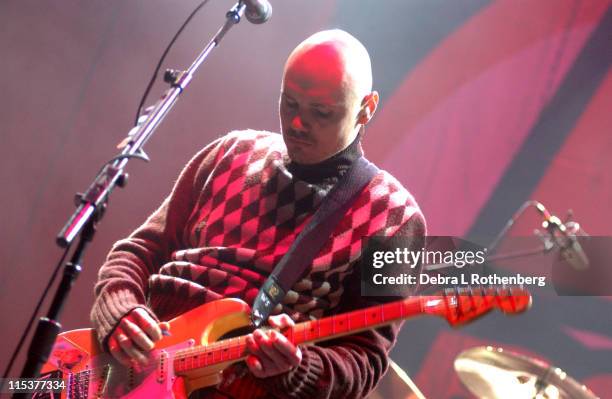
(92, 203)
(548, 243)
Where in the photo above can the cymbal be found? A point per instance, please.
(494, 373)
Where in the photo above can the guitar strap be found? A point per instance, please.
(311, 239)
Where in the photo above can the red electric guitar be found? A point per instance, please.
(194, 354)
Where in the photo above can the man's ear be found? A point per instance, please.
(368, 107)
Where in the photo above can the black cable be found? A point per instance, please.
(161, 60)
(36, 310)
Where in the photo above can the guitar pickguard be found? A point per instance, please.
(101, 376)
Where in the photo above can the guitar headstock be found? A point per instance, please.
(462, 305)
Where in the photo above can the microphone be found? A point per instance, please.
(257, 11)
(570, 249)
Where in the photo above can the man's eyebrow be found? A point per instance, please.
(313, 104)
(324, 105)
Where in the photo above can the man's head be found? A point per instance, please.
(326, 95)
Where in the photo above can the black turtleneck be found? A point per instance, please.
(329, 171)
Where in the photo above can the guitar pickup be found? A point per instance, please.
(162, 366)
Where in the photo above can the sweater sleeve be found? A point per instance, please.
(123, 279)
(350, 366)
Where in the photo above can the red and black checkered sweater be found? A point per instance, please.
(233, 213)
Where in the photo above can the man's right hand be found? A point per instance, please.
(134, 337)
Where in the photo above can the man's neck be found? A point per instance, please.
(331, 169)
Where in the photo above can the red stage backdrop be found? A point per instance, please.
(485, 104)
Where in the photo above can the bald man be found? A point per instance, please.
(233, 213)
(326, 96)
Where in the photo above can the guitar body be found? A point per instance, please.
(89, 372)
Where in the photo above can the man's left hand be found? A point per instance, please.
(270, 351)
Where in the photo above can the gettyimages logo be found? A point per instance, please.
(398, 267)
(424, 256)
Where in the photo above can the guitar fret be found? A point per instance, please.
(290, 335)
(215, 353)
(235, 345)
(242, 348)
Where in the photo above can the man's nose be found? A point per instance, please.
(297, 123)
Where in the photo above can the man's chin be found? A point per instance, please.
(299, 156)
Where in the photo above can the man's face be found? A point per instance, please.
(318, 108)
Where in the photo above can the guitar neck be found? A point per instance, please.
(355, 321)
(234, 349)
